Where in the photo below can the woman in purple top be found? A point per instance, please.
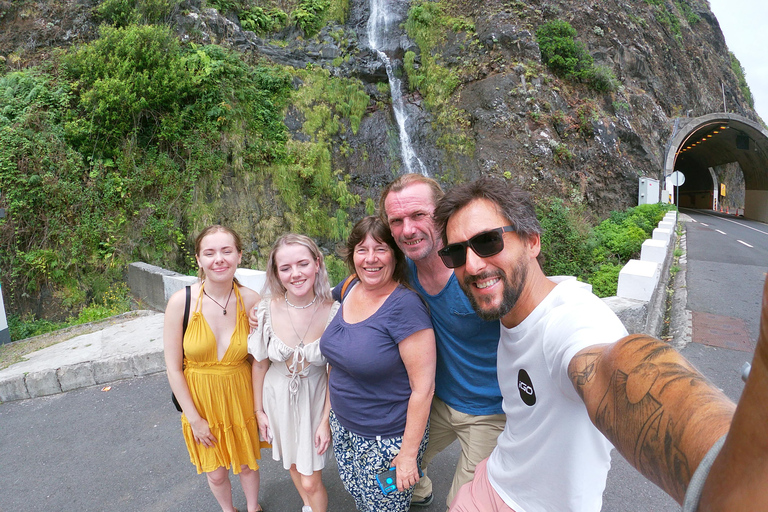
(381, 349)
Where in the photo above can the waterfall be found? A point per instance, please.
(379, 23)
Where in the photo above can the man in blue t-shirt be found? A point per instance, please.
(467, 403)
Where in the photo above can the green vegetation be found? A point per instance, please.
(594, 255)
(741, 77)
(687, 11)
(667, 18)
(112, 152)
(309, 15)
(568, 58)
(260, 20)
(122, 13)
(427, 24)
(114, 301)
(317, 196)
(561, 52)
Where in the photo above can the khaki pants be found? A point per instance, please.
(476, 434)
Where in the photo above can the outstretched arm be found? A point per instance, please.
(739, 476)
(659, 412)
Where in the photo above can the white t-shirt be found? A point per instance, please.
(550, 456)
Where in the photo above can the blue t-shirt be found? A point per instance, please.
(466, 376)
(368, 383)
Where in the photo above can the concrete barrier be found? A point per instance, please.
(146, 283)
(638, 280)
(662, 234)
(664, 224)
(253, 279)
(654, 250)
(155, 285)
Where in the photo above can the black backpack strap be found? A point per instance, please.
(186, 310)
(183, 332)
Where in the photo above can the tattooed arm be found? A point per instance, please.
(737, 480)
(657, 410)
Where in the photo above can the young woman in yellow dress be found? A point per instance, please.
(210, 371)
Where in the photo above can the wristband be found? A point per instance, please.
(696, 485)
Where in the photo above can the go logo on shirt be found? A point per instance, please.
(525, 386)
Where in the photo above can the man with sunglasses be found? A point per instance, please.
(572, 381)
(467, 403)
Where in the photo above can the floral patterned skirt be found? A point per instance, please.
(360, 459)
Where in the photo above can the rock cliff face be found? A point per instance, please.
(513, 117)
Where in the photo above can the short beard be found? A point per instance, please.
(510, 292)
(424, 251)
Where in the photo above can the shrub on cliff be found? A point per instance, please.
(569, 58)
(564, 55)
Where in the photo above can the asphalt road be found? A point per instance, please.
(727, 265)
(122, 449)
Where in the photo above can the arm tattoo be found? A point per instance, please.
(641, 400)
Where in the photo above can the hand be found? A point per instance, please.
(202, 432)
(323, 437)
(253, 320)
(407, 471)
(261, 418)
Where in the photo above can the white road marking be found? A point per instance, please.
(735, 222)
(745, 243)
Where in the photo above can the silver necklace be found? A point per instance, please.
(224, 307)
(285, 296)
(309, 325)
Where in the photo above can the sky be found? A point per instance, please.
(744, 24)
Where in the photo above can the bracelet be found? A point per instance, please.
(696, 485)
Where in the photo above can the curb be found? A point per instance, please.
(81, 375)
(680, 320)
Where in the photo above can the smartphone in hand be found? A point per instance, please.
(387, 480)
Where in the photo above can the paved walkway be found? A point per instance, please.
(129, 347)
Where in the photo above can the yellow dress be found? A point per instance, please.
(223, 394)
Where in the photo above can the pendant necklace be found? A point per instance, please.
(224, 307)
(301, 338)
(285, 296)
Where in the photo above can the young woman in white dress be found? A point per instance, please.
(290, 378)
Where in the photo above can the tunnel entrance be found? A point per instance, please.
(724, 158)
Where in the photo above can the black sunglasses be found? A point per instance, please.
(484, 244)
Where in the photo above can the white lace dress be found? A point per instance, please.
(293, 397)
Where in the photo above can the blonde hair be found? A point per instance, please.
(274, 286)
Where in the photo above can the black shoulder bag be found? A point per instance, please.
(183, 331)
